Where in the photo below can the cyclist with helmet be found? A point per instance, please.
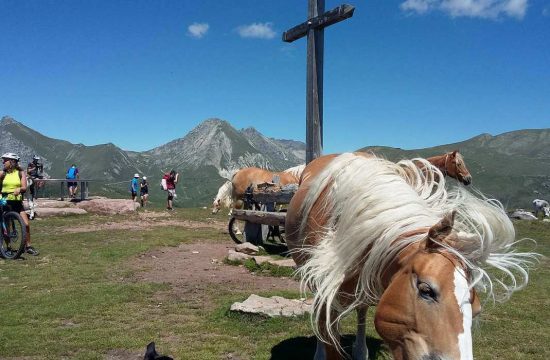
(34, 171)
(13, 182)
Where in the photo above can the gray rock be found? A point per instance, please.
(108, 206)
(262, 259)
(521, 214)
(247, 248)
(48, 212)
(237, 256)
(272, 307)
(268, 259)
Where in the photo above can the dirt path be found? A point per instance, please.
(194, 268)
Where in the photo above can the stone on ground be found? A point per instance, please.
(247, 248)
(522, 215)
(272, 307)
(237, 256)
(281, 262)
(47, 212)
(97, 205)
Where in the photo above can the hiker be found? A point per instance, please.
(34, 172)
(72, 174)
(169, 181)
(134, 185)
(144, 191)
(13, 182)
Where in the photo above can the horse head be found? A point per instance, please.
(426, 311)
(455, 167)
(216, 205)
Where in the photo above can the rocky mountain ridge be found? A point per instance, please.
(513, 167)
(211, 151)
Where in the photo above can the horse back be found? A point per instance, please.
(317, 217)
(249, 176)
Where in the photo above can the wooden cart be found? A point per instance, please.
(262, 220)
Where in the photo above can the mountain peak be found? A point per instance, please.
(8, 120)
(250, 130)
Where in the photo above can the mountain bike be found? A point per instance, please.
(14, 232)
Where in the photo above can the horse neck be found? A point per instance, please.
(439, 161)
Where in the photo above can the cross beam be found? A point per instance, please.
(314, 29)
(333, 16)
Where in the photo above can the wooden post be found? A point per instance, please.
(314, 88)
(314, 29)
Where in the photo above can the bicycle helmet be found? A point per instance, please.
(10, 156)
(36, 157)
(145, 178)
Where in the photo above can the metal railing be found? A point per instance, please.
(83, 186)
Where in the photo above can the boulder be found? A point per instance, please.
(108, 206)
(247, 248)
(46, 203)
(521, 214)
(237, 256)
(47, 212)
(268, 259)
(272, 307)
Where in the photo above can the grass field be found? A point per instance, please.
(77, 300)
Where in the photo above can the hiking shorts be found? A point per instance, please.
(71, 183)
(16, 205)
(171, 193)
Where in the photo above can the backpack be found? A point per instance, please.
(163, 184)
(71, 173)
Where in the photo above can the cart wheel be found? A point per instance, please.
(236, 234)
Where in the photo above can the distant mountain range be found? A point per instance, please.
(513, 167)
(203, 157)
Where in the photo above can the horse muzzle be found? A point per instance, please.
(466, 180)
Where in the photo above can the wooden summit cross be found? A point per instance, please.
(314, 29)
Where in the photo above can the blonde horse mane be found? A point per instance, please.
(296, 170)
(225, 194)
(371, 203)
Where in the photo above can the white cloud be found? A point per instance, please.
(419, 6)
(485, 9)
(197, 30)
(257, 31)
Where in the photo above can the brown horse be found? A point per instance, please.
(452, 164)
(254, 176)
(365, 232)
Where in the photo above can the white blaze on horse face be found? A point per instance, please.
(462, 294)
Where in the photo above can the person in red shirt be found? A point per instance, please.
(169, 181)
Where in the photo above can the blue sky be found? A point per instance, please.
(402, 73)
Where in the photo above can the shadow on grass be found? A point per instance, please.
(275, 248)
(301, 347)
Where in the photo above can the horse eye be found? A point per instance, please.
(426, 291)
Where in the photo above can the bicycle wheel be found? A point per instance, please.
(237, 235)
(13, 234)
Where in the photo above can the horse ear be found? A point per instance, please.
(440, 231)
(454, 152)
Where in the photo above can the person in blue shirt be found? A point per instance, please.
(134, 186)
(72, 174)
